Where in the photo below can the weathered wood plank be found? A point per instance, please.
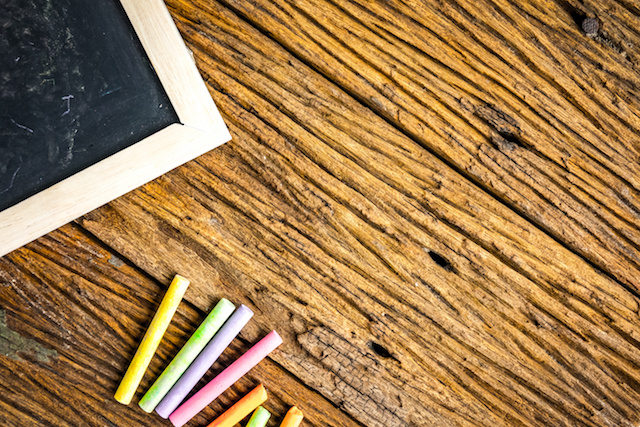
(71, 316)
(511, 94)
(406, 295)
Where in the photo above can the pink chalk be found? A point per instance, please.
(225, 379)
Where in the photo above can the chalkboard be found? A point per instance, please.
(97, 97)
(75, 87)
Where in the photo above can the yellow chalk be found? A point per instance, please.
(151, 340)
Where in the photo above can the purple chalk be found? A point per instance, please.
(203, 362)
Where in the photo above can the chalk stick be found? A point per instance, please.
(293, 418)
(241, 408)
(151, 340)
(225, 379)
(203, 362)
(259, 418)
(187, 354)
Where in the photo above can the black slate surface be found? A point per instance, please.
(75, 87)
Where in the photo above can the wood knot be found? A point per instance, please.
(506, 132)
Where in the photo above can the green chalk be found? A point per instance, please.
(259, 418)
(187, 354)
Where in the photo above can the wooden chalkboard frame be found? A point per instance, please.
(201, 129)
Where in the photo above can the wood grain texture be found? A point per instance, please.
(407, 295)
(74, 315)
(513, 95)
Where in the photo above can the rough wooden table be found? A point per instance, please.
(436, 203)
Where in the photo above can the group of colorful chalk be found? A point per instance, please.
(207, 343)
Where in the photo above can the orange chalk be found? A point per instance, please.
(293, 418)
(242, 408)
